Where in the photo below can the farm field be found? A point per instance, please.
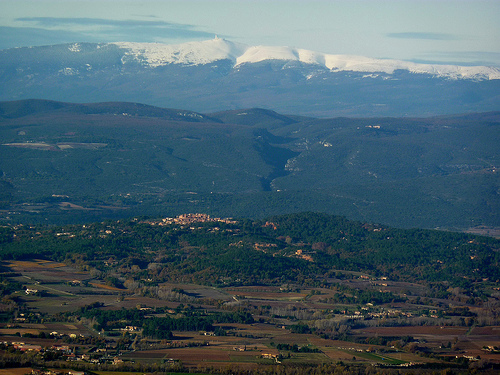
(245, 346)
(164, 311)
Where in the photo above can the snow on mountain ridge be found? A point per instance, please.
(191, 53)
(195, 53)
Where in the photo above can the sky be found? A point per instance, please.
(461, 32)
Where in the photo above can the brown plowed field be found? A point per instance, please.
(414, 331)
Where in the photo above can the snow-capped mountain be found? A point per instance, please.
(195, 53)
(217, 75)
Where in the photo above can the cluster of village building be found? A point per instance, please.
(187, 219)
(94, 355)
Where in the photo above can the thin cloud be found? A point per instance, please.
(471, 54)
(60, 21)
(423, 36)
(35, 31)
(461, 58)
(12, 37)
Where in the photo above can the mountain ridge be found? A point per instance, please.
(207, 77)
(65, 163)
(27, 107)
(194, 53)
(8, 110)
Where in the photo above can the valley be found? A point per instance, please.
(176, 201)
(65, 162)
(137, 238)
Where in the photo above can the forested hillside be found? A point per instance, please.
(305, 248)
(68, 163)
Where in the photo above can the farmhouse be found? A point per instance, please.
(26, 347)
(269, 355)
(117, 361)
(62, 348)
(130, 329)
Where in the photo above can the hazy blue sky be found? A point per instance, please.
(447, 31)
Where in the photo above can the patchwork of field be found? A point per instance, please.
(246, 345)
(47, 271)
(237, 351)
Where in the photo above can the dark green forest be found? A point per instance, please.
(305, 248)
(66, 163)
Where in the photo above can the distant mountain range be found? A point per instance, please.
(217, 75)
(65, 162)
(200, 53)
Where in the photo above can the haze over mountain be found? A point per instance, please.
(217, 75)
